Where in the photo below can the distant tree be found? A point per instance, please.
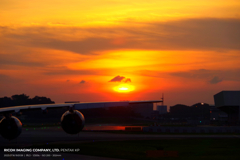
(23, 99)
(6, 102)
(41, 100)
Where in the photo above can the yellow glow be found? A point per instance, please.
(124, 88)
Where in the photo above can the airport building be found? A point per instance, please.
(161, 109)
(143, 109)
(197, 114)
(229, 102)
(218, 117)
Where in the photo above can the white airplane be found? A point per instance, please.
(72, 121)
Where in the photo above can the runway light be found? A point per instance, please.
(26, 129)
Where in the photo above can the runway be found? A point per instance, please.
(55, 135)
(50, 135)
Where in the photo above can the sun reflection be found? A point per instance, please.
(124, 88)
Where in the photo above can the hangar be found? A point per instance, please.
(229, 102)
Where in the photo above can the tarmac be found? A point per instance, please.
(55, 135)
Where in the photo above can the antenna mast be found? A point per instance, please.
(162, 99)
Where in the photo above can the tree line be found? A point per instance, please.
(23, 99)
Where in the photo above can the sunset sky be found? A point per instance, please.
(111, 50)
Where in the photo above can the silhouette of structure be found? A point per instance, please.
(162, 109)
(229, 102)
(197, 114)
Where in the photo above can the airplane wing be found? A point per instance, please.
(72, 121)
(77, 106)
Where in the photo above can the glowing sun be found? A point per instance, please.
(124, 88)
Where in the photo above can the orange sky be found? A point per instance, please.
(71, 50)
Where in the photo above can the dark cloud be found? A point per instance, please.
(68, 80)
(117, 79)
(200, 34)
(17, 59)
(228, 75)
(86, 46)
(66, 71)
(201, 73)
(120, 79)
(215, 80)
(150, 73)
(82, 81)
(127, 80)
(203, 34)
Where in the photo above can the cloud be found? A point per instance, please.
(150, 73)
(15, 58)
(127, 80)
(120, 79)
(82, 81)
(68, 80)
(203, 34)
(186, 34)
(201, 73)
(215, 80)
(66, 71)
(79, 46)
(117, 79)
(227, 75)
